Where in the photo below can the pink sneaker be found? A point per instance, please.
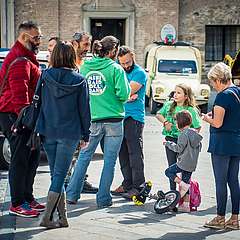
(23, 210)
(184, 187)
(37, 206)
(184, 207)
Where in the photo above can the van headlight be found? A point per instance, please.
(204, 93)
(159, 90)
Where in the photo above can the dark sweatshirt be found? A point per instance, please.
(65, 111)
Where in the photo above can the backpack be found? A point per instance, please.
(195, 195)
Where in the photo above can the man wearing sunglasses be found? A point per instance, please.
(18, 78)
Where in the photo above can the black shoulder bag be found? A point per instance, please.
(28, 115)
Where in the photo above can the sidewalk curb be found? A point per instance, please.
(3, 190)
(7, 222)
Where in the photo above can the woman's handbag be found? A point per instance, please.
(28, 116)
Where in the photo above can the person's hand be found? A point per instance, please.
(209, 114)
(168, 126)
(206, 116)
(133, 97)
(83, 144)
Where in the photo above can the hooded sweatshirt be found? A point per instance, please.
(188, 147)
(65, 111)
(108, 88)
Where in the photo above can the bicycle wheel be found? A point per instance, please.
(169, 202)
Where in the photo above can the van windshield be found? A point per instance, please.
(177, 66)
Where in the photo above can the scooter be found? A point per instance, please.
(164, 201)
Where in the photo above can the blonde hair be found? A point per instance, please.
(221, 72)
(190, 100)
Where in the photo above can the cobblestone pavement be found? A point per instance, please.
(124, 220)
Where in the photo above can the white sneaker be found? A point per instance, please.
(183, 188)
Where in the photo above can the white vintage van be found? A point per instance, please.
(169, 65)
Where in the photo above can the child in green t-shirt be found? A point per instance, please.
(183, 99)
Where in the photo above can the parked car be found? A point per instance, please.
(169, 65)
(5, 152)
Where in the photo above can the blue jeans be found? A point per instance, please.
(172, 171)
(226, 171)
(112, 132)
(59, 154)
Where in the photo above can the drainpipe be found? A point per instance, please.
(7, 23)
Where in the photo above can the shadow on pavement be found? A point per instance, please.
(188, 236)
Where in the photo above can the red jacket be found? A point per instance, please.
(21, 81)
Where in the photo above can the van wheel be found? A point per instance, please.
(153, 106)
(5, 153)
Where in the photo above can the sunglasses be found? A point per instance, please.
(77, 36)
(35, 38)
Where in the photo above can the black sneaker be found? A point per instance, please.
(88, 187)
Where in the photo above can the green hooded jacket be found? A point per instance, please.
(108, 88)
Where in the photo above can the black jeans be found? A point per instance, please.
(171, 158)
(131, 154)
(24, 162)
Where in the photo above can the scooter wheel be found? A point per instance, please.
(170, 201)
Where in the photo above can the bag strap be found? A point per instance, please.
(38, 91)
(237, 97)
(6, 75)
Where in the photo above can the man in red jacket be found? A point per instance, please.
(18, 78)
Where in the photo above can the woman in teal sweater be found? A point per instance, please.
(109, 90)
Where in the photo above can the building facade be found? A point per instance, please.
(212, 26)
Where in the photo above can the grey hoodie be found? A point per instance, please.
(188, 147)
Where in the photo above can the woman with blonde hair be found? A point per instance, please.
(224, 144)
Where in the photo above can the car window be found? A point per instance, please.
(177, 66)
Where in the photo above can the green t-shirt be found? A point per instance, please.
(174, 132)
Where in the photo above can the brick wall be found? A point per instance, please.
(45, 13)
(63, 18)
(194, 15)
(150, 17)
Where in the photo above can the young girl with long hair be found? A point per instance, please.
(183, 99)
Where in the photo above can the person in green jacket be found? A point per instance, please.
(109, 90)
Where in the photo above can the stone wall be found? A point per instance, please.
(194, 15)
(45, 13)
(63, 18)
(151, 16)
